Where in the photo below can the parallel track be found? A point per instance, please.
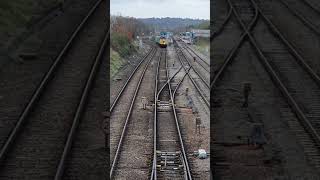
(196, 67)
(134, 71)
(304, 47)
(80, 109)
(127, 125)
(203, 63)
(310, 17)
(168, 142)
(123, 100)
(281, 67)
(44, 120)
(199, 83)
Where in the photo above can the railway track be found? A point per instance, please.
(114, 100)
(288, 71)
(170, 158)
(124, 158)
(305, 12)
(203, 63)
(197, 80)
(85, 156)
(121, 171)
(291, 71)
(303, 42)
(201, 70)
(220, 24)
(186, 118)
(228, 32)
(38, 140)
(122, 102)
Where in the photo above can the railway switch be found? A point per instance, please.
(169, 161)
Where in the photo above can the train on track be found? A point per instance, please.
(164, 39)
(187, 37)
(161, 41)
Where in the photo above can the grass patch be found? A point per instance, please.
(203, 45)
(16, 14)
(115, 62)
(122, 44)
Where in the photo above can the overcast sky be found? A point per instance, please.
(195, 9)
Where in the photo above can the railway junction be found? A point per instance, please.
(56, 121)
(165, 132)
(261, 86)
(267, 52)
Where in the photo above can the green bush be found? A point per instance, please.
(115, 63)
(122, 44)
(17, 13)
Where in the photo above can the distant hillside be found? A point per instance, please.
(171, 23)
(203, 25)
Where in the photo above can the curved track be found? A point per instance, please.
(282, 66)
(197, 80)
(46, 122)
(170, 159)
(122, 144)
(203, 63)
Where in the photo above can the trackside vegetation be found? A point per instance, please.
(124, 31)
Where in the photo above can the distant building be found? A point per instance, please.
(201, 32)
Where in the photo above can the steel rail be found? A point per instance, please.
(156, 95)
(217, 32)
(173, 97)
(189, 64)
(80, 108)
(154, 166)
(180, 82)
(193, 82)
(293, 51)
(202, 79)
(301, 17)
(295, 107)
(208, 66)
(185, 161)
(168, 81)
(303, 118)
(50, 73)
(114, 103)
(233, 51)
(115, 159)
(312, 6)
(197, 54)
(185, 46)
